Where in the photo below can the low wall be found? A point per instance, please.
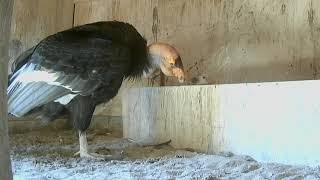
(272, 122)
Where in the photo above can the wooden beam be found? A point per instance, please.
(5, 24)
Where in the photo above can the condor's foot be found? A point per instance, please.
(84, 153)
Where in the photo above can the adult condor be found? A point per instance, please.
(69, 73)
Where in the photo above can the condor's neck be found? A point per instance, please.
(154, 62)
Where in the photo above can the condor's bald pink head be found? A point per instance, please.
(166, 58)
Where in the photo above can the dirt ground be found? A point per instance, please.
(48, 154)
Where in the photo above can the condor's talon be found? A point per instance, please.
(84, 153)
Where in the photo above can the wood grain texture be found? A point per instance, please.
(230, 41)
(186, 115)
(5, 14)
(34, 20)
(271, 122)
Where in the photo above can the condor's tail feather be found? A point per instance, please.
(22, 59)
(19, 62)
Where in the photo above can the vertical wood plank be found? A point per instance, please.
(33, 20)
(5, 14)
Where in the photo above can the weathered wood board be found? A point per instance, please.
(5, 14)
(33, 20)
(272, 122)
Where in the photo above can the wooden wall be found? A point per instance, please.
(229, 41)
(34, 20)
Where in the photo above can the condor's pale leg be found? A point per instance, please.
(81, 109)
(84, 152)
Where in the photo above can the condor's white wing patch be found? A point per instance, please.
(33, 86)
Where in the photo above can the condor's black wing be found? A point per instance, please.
(64, 65)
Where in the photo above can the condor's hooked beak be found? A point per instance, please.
(173, 68)
(178, 71)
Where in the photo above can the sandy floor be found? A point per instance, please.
(50, 156)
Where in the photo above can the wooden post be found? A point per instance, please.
(5, 24)
(155, 30)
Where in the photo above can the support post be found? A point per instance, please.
(5, 24)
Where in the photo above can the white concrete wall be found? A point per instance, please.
(272, 122)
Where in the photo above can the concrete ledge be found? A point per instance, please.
(272, 122)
